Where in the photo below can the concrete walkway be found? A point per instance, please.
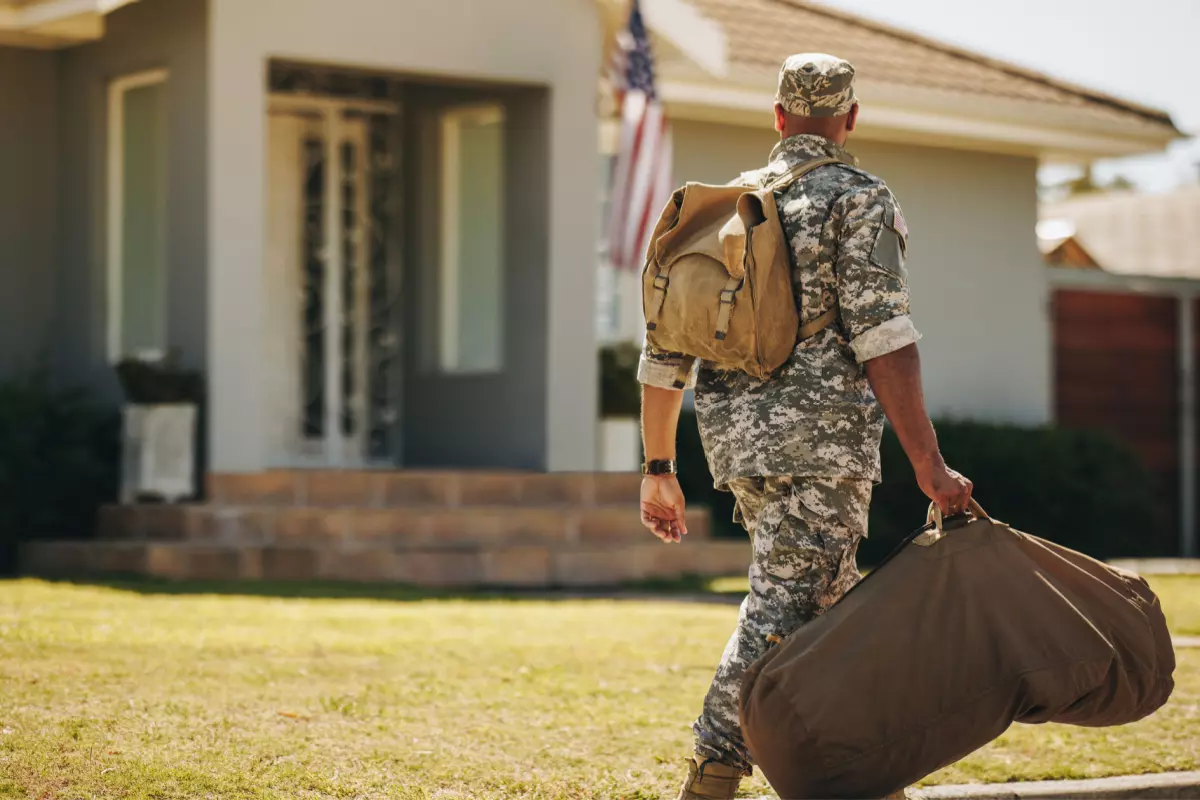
(1165, 786)
(1159, 566)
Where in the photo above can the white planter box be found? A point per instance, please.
(158, 452)
(620, 442)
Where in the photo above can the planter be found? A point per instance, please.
(620, 443)
(158, 447)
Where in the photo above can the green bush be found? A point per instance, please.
(1081, 489)
(59, 456)
(620, 393)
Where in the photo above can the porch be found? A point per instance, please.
(449, 529)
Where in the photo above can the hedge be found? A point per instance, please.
(59, 459)
(1082, 489)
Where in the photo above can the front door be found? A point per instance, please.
(318, 287)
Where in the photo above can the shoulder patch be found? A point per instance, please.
(901, 226)
(891, 241)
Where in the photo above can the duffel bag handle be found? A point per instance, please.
(973, 509)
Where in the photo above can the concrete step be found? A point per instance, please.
(398, 488)
(464, 565)
(393, 527)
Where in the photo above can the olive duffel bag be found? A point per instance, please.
(966, 628)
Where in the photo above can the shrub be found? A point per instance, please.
(156, 382)
(1081, 489)
(59, 456)
(620, 393)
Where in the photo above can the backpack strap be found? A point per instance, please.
(813, 326)
(799, 171)
(661, 281)
(728, 293)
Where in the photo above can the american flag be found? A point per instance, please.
(641, 173)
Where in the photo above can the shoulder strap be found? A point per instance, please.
(799, 171)
(813, 326)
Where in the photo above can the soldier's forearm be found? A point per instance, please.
(660, 419)
(896, 381)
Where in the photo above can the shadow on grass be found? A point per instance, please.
(689, 588)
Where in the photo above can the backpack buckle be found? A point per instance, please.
(727, 296)
(663, 284)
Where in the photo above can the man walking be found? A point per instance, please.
(800, 451)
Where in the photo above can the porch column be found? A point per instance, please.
(571, 357)
(236, 297)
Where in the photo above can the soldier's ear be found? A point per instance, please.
(852, 118)
(780, 118)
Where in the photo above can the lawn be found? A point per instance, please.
(157, 691)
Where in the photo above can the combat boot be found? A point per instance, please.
(708, 780)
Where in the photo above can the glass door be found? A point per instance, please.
(318, 287)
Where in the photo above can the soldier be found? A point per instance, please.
(800, 451)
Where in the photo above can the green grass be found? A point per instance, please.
(148, 690)
(1180, 596)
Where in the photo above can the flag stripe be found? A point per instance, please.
(641, 175)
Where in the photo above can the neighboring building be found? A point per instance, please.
(1125, 268)
(373, 224)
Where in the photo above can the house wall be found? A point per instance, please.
(548, 43)
(28, 87)
(487, 419)
(979, 287)
(168, 34)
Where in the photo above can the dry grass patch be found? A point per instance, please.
(110, 693)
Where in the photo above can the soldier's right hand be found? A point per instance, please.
(662, 507)
(947, 488)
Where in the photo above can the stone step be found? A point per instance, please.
(544, 566)
(397, 488)
(393, 527)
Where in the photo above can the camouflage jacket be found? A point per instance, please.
(817, 415)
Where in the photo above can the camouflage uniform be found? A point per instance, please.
(800, 451)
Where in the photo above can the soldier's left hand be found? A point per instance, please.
(663, 506)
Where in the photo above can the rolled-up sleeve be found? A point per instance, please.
(666, 370)
(871, 278)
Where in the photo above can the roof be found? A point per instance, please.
(53, 24)
(910, 72)
(1128, 233)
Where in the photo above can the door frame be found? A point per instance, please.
(335, 449)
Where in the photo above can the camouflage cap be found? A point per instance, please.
(816, 85)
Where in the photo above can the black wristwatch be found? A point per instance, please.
(660, 466)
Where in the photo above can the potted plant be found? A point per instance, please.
(620, 441)
(158, 442)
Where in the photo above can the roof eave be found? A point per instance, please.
(54, 24)
(1013, 126)
(699, 39)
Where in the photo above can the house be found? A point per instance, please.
(372, 224)
(1125, 272)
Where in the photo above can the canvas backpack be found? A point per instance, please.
(717, 283)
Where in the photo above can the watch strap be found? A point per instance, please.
(660, 466)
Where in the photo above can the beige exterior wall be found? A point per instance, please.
(469, 39)
(980, 290)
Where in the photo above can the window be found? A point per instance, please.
(471, 275)
(137, 215)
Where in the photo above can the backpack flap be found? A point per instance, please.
(689, 228)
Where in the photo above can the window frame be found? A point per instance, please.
(450, 121)
(115, 208)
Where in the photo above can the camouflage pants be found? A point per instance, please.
(805, 533)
